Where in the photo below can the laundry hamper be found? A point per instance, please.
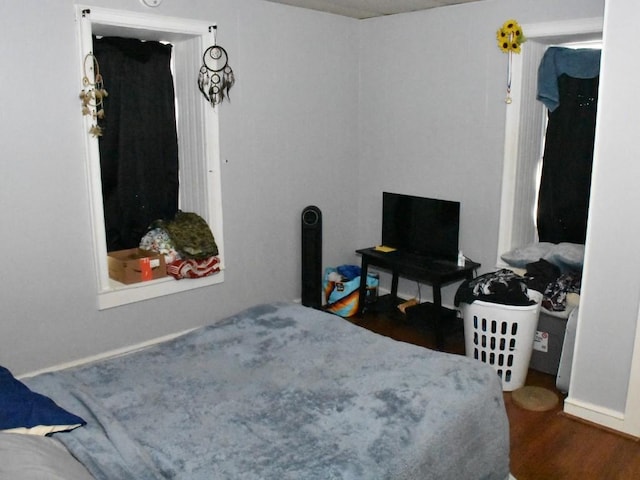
(502, 336)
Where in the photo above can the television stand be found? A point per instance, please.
(432, 271)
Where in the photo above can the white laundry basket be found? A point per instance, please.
(502, 336)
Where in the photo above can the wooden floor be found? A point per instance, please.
(544, 445)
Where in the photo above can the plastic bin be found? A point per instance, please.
(502, 336)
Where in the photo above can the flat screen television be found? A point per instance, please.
(422, 226)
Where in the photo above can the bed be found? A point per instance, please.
(279, 391)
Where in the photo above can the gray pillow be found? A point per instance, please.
(521, 256)
(32, 457)
(566, 256)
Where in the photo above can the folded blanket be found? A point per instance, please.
(191, 268)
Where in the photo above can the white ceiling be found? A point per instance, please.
(369, 8)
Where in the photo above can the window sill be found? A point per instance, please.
(117, 293)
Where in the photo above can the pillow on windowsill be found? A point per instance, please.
(520, 257)
(24, 411)
(566, 256)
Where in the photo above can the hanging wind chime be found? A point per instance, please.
(216, 76)
(510, 37)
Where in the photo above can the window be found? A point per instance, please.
(525, 124)
(198, 145)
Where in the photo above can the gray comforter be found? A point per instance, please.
(281, 391)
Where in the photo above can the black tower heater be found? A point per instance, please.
(312, 257)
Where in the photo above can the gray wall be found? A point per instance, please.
(611, 290)
(287, 141)
(432, 112)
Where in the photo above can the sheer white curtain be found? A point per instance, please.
(523, 151)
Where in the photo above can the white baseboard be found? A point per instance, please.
(108, 354)
(611, 419)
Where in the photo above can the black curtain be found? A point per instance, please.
(565, 185)
(138, 148)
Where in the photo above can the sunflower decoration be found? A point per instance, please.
(510, 38)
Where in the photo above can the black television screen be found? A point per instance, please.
(422, 226)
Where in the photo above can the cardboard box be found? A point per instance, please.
(135, 265)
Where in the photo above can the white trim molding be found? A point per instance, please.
(198, 138)
(596, 414)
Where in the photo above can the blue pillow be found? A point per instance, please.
(24, 411)
(566, 256)
(521, 256)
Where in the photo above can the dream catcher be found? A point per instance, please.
(216, 76)
(93, 93)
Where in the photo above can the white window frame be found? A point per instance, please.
(198, 142)
(525, 128)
